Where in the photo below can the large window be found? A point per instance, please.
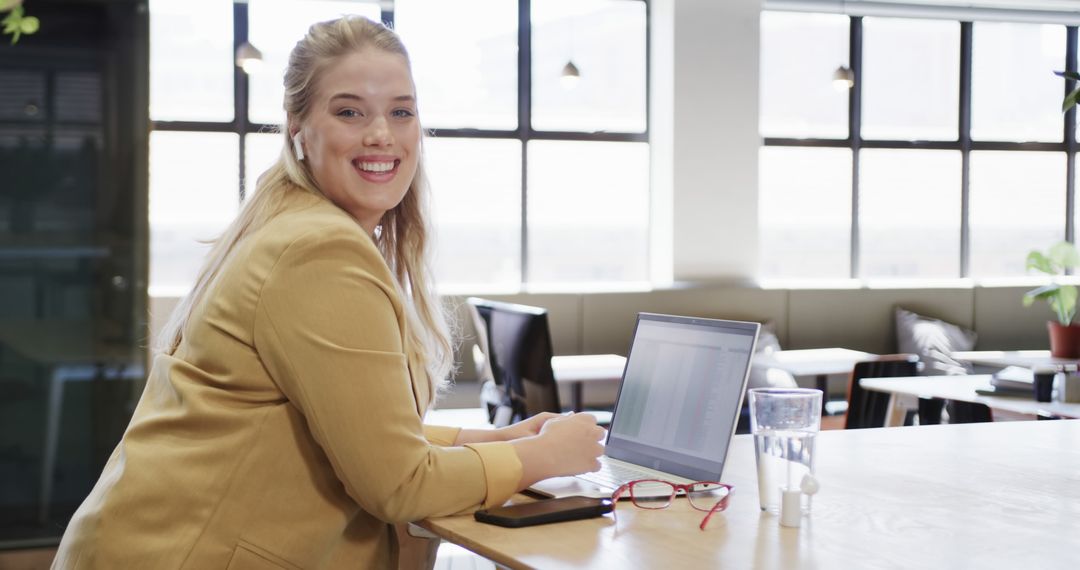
(537, 153)
(954, 159)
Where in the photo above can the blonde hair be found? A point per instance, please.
(403, 236)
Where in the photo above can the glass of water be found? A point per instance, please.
(785, 422)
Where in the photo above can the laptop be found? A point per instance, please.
(677, 408)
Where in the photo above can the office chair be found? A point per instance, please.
(867, 409)
(969, 412)
(513, 360)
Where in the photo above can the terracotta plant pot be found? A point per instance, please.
(1064, 340)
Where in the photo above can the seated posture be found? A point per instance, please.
(280, 426)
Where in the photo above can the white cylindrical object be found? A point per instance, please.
(790, 507)
(1069, 390)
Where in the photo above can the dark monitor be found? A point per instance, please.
(519, 353)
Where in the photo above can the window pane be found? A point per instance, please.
(1017, 204)
(911, 77)
(476, 199)
(464, 57)
(261, 151)
(588, 212)
(1015, 97)
(191, 60)
(275, 27)
(799, 54)
(193, 196)
(605, 39)
(909, 213)
(805, 212)
(78, 96)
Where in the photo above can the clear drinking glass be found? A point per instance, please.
(785, 422)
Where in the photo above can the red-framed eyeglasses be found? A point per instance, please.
(705, 496)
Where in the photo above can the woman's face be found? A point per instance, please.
(361, 138)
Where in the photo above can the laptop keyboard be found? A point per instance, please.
(612, 475)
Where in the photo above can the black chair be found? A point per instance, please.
(867, 409)
(513, 358)
(516, 344)
(968, 412)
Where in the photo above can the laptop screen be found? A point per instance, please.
(681, 393)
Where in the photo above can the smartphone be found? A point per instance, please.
(545, 511)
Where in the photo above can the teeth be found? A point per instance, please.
(376, 166)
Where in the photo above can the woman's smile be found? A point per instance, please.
(377, 169)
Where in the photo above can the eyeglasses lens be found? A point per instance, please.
(704, 496)
(652, 494)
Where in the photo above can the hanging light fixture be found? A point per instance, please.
(249, 58)
(570, 75)
(843, 78)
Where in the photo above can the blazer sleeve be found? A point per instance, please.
(329, 329)
(441, 435)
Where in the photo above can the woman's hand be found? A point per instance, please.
(565, 446)
(527, 427)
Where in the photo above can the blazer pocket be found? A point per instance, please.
(250, 557)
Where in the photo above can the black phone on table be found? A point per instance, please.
(545, 511)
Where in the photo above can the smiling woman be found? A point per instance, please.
(362, 136)
(281, 424)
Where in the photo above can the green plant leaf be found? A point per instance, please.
(12, 23)
(1038, 261)
(1064, 255)
(30, 24)
(1061, 298)
(1070, 100)
(15, 15)
(1043, 292)
(1064, 304)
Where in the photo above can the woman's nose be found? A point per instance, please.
(378, 133)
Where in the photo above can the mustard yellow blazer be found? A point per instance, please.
(285, 431)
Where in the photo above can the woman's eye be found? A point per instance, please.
(348, 113)
(403, 113)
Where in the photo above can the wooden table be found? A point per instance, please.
(905, 391)
(818, 363)
(995, 495)
(581, 369)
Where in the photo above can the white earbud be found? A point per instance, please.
(298, 148)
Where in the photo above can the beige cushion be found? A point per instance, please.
(933, 340)
(764, 377)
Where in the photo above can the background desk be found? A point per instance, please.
(998, 495)
(904, 392)
(1023, 358)
(581, 369)
(818, 363)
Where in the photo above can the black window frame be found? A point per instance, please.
(963, 143)
(242, 126)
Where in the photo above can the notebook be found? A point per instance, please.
(677, 408)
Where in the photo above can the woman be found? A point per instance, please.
(281, 423)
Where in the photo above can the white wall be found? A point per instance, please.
(704, 134)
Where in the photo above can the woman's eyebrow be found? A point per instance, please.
(355, 97)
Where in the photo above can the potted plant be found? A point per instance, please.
(1061, 257)
(1064, 334)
